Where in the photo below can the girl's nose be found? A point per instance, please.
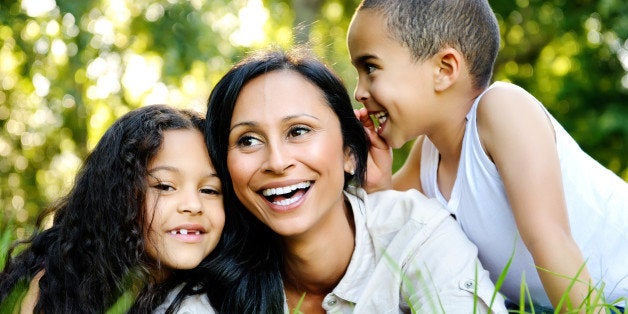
(190, 203)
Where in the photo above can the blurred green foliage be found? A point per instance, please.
(68, 69)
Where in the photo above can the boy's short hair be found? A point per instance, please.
(427, 26)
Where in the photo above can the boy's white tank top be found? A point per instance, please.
(597, 202)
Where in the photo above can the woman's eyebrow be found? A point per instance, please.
(285, 119)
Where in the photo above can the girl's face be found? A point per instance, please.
(286, 155)
(184, 201)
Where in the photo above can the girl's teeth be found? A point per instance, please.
(185, 231)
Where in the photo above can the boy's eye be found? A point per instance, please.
(248, 141)
(369, 68)
(298, 130)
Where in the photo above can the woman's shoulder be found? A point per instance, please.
(401, 207)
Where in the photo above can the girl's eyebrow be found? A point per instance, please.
(163, 168)
(285, 119)
(210, 174)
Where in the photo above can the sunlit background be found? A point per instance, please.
(69, 68)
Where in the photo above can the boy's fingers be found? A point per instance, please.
(363, 115)
(376, 140)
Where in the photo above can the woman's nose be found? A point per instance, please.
(278, 159)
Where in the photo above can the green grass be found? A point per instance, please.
(126, 300)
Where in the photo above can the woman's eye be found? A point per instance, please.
(247, 141)
(299, 130)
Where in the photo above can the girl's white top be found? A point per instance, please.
(194, 304)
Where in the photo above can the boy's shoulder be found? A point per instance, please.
(504, 92)
(502, 100)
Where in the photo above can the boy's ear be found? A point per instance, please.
(448, 66)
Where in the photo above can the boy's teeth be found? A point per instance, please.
(381, 117)
(285, 189)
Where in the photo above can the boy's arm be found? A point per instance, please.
(409, 175)
(379, 163)
(518, 136)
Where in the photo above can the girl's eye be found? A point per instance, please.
(210, 191)
(248, 141)
(298, 130)
(163, 187)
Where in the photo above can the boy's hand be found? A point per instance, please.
(379, 164)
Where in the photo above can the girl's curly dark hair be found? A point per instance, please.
(95, 249)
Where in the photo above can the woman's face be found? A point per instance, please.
(286, 155)
(184, 202)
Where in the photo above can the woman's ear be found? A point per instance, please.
(449, 63)
(349, 163)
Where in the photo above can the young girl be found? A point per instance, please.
(145, 205)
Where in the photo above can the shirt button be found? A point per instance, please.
(468, 284)
(331, 302)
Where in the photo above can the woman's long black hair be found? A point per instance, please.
(95, 249)
(261, 256)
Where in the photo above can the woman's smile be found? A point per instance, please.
(286, 156)
(286, 195)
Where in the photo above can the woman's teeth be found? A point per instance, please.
(285, 189)
(286, 195)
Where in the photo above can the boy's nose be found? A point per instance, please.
(360, 94)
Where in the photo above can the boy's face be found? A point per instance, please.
(391, 85)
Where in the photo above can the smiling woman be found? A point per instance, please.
(289, 149)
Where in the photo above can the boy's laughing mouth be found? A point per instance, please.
(379, 118)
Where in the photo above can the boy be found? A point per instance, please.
(491, 154)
